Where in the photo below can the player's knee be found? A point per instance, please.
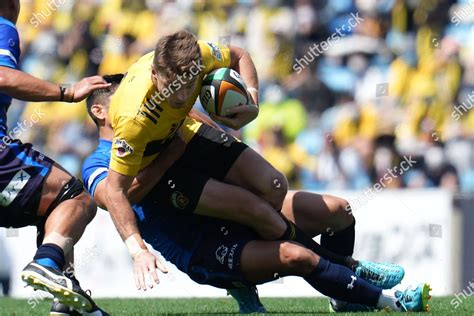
(276, 192)
(344, 215)
(297, 259)
(341, 213)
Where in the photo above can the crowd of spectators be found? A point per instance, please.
(349, 88)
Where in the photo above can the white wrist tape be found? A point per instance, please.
(133, 246)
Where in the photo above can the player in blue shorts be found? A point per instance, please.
(229, 255)
(34, 190)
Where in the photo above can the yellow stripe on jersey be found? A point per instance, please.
(143, 121)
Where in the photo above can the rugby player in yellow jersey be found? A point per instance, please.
(226, 254)
(217, 175)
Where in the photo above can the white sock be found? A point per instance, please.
(388, 299)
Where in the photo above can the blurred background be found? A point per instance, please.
(349, 90)
(385, 88)
(382, 86)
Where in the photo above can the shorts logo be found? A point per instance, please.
(221, 252)
(11, 191)
(230, 262)
(350, 286)
(215, 50)
(122, 148)
(179, 200)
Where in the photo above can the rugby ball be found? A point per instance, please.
(222, 89)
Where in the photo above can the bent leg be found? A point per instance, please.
(263, 261)
(225, 159)
(327, 215)
(230, 202)
(252, 172)
(67, 221)
(317, 214)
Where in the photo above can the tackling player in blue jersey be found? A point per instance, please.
(34, 190)
(229, 255)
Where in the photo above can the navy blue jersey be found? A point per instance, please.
(207, 249)
(9, 57)
(175, 234)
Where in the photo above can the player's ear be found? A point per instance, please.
(99, 111)
(154, 74)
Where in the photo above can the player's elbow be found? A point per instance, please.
(237, 51)
(245, 55)
(3, 80)
(6, 75)
(238, 54)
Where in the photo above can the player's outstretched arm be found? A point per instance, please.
(144, 262)
(22, 86)
(241, 61)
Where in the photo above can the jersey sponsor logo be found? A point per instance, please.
(11, 191)
(152, 109)
(221, 252)
(215, 50)
(122, 148)
(179, 200)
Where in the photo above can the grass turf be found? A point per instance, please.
(223, 306)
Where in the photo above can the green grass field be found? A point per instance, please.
(224, 306)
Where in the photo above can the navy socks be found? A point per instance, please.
(341, 283)
(50, 255)
(295, 234)
(341, 242)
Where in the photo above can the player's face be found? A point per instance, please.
(181, 93)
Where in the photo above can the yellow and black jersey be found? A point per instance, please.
(142, 119)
